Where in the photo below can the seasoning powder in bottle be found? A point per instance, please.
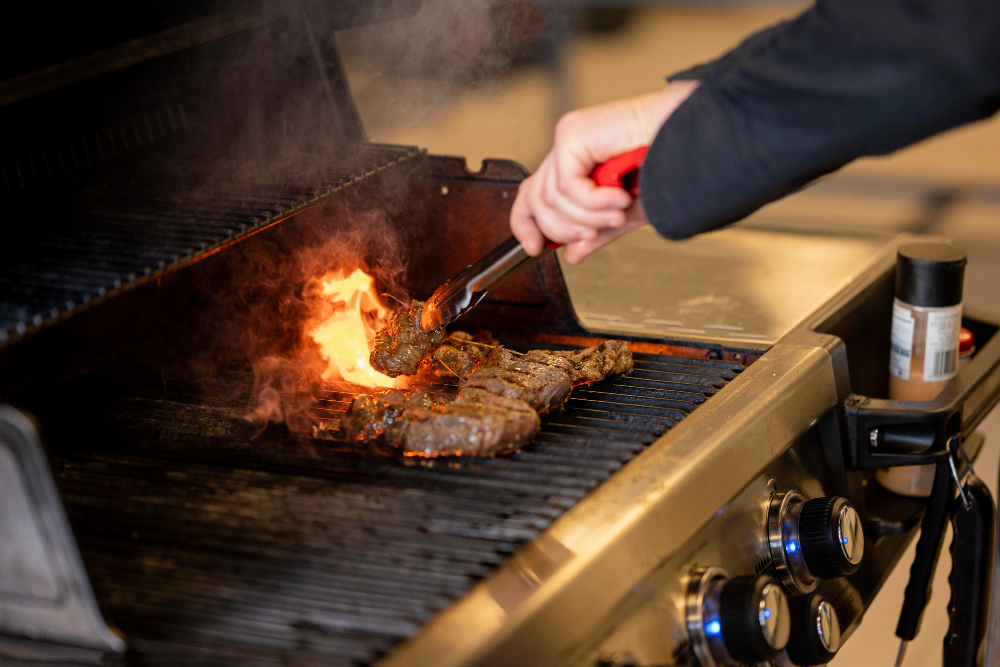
(926, 320)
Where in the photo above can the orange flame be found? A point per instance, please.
(345, 337)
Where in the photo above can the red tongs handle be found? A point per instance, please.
(621, 171)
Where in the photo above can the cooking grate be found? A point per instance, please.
(108, 232)
(205, 543)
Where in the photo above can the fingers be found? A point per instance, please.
(533, 221)
(522, 223)
(577, 251)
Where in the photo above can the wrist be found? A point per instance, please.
(659, 106)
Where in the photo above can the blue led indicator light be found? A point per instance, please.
(766, 613)
(791, 547)
(713, 628)
(844, 540)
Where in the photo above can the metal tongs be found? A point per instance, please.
(470, 285)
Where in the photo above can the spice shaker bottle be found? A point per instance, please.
(926, 319)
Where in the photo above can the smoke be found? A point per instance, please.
(286, 363)
(405, 70)
(270, 122)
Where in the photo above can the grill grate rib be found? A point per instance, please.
(206, 544)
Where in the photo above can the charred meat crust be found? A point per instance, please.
(544, 384)
(497, 409)
(612, 357)
(461, 352)
(485, 425)
(369, 415)
(401, 344)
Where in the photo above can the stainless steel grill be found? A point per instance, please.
(323, 549)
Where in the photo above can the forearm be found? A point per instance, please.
(843, 80)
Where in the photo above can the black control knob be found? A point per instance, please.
(831, 538)
(753, 614)
(815, 631)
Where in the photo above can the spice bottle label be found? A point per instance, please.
(902, 342)
(941, 352)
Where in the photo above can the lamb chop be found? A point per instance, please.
(401, 344)
(612, 357)
(484, 425)
(369, 415)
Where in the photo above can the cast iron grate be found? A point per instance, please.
(108, 232)
(206, 543)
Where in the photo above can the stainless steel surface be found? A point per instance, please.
(570, 581)
(44, 590)
(748, 285)
(852, 539)
(827, 627)
(772, 616)
(783, 542)
(612, 574)
(462, 292)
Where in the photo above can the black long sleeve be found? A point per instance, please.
(845, 79)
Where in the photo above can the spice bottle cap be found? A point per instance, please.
(930, 274)
(966, 341)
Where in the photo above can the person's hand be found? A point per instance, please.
(559, 202)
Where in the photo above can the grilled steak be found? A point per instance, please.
(543, 383)
(370, 414)
(497, 409)
(401, 344)
(484, 425)
(461, 352)
(593, 363)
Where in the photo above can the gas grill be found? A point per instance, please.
(159, 244)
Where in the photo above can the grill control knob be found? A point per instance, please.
(815, 539)
(832, 541)
(736, 621)
(815, 631)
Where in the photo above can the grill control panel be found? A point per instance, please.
(813, 539)
(736, 621)
(768, 582)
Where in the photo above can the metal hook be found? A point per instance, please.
(953, 448)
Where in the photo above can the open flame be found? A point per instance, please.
(345, 336)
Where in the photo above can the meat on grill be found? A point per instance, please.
(401, 344)
(542, 382)
(497, 409)
(611, 357)
(484, 425)
(369, 415)
(461, 352)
